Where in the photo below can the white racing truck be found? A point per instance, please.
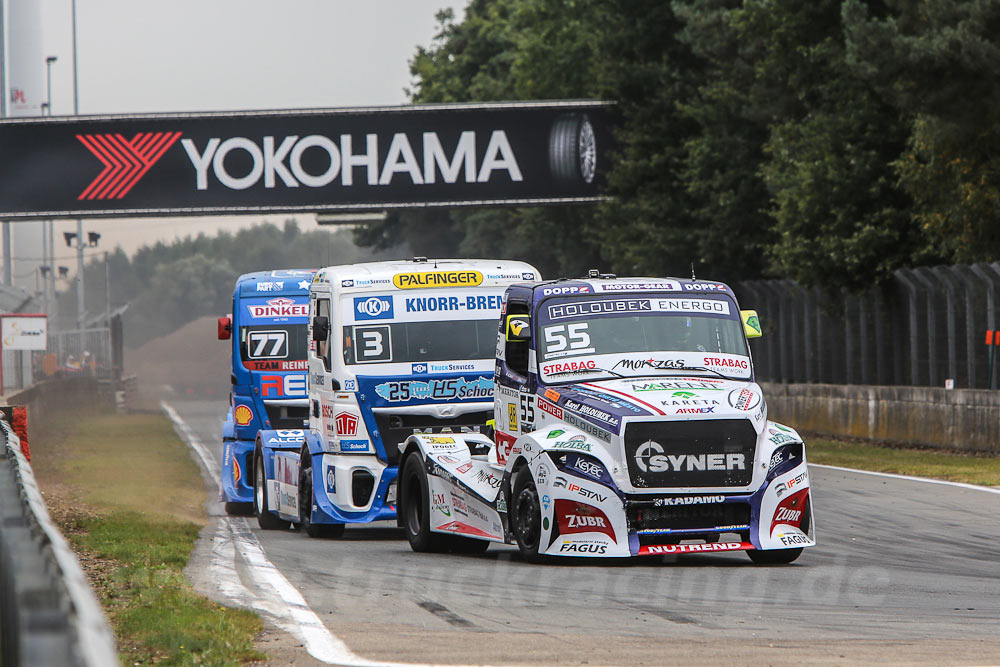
(396, 348)
(627, 423)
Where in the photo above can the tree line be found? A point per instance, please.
(829, 141)
(167, 285)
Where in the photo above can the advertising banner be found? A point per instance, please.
(24, 332)
(286, 161)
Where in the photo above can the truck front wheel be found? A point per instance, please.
(306, 503)
(416, 507)
(265, 519)
(526, 515)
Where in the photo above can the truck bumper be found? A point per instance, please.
(237, 484)
(352, 489)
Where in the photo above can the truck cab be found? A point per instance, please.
(269, 340)
(628, 422)
(394, 348)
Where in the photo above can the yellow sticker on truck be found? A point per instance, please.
(437, 279)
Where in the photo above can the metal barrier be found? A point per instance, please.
(921, 327)
(48, 612)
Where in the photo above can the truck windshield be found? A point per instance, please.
(659, 334)
(274, 347)
(394, 342)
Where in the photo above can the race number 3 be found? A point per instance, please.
(563, 340)
(267, 344)
(373, 344)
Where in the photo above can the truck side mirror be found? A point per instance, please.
(518, 328)
(225, 327)
(321, 328)
(751, 324)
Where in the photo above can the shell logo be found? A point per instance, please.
(237, 473)
(243, 415)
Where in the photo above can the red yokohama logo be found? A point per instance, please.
(125, 162)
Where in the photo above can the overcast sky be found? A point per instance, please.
(209, 55)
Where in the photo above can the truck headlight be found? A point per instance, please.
(582, 465)
(784, 459)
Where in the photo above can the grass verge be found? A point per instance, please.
(129, 498)
(954, 467)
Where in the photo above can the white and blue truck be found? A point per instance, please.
(395, 349)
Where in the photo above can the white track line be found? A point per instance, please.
(286, 605)
(910, 478)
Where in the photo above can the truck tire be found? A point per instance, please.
(526, 515)
(306, 503)
(774, 556)
(265, 519)
(416, 507)
(572, 150)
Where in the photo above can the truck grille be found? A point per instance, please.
(643, 515)
(287, 416)
(394, 428)
(702, 453)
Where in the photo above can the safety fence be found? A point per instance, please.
(95, 352)
(48, 612)
(924, 326)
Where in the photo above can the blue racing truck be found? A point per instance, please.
(394, 348)
(269, 342)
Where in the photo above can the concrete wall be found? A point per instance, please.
(959, 419)
(63, 396)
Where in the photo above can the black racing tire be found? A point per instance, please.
(306, 503)
(265, 519)
(572, 150)
(774, 556)
(239, 509)
(526, 515)
(460, 544)
(415, 505)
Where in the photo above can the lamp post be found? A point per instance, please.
(8, 274)
(79, 221)
(48, 244)
(48, 81)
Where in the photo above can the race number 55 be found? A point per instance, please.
(567, 339)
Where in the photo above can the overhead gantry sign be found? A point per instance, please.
(287, 161)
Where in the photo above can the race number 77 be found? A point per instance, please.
(563, 337)
(267, 344)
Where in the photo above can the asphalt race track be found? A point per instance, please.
(905, 572)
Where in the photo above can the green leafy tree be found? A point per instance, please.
(938, 63)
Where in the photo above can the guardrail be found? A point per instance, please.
(48, 612)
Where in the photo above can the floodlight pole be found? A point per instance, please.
(8, 273)
(48, 226)
(79, 221)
